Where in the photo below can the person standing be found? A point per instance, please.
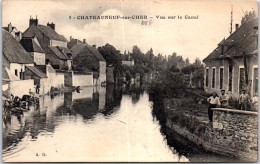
(223, 98)
(243, 100)
(213, 102)
(255, 102)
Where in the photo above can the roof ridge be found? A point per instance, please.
(241, 35)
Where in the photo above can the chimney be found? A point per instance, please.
(84, 41)
(94, 45)
(70, 38)
(237, 26)
(33, 21)
(51, 25)
(10, 27)
(18, 36)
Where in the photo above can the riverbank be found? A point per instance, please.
(233, 133)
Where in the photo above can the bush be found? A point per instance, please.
(168, 84)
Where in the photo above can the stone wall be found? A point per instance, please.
(237, 130)
(232, 133)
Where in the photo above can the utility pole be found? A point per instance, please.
(231, 22)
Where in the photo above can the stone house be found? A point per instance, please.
(13, 31)
(233, 65)
(42, 73)
(14, 60)
(54, 44)
(87, 58)
(59, 57)
(32, 46)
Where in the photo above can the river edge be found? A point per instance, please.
(208, 136)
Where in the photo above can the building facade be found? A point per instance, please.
(54, 44)
(233, 65)
(87, 58)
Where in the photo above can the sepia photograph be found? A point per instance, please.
(129, 81)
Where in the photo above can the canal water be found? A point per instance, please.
(109, 123)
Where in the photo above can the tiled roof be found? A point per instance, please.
(96, 52)
(78, 48)
(72, 42)
(55, 50)
(66, 50)
(13, 50)
(7, 28)
(52, 34)
(242, 39)
(46, 30)
(30, 45)
(37, 71)
(43, 68)
(5, 75)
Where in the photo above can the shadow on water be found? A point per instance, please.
(87, 104)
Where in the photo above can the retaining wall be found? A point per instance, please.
(233, 132)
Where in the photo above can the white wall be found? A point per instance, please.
(51, 74)
(55, 79)
(39, 58)
(5, 87)
(69, 64)
(19, 68)
(21, 87)
(128, 63)
(82, 80)
(45, 86)
(102, 72)
(58, 43)
(59, 80)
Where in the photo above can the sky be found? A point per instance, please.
(191, 38)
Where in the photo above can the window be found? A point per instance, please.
(230, 82)
(255, 82)
(213, 77)
(47, 61)
(221, 77)
(16, 72)
(207, 77)
(21, 75)
(241, 79)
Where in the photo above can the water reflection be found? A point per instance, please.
(112, 123)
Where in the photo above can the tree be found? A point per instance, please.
(248, 16)
(111, 54)
(137, 55)
(197, 62)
